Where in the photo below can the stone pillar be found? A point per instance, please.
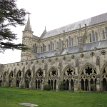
(76, 70)
(75, 85)
(57, 85)
(98, 84)
(53, 84)
(22, 83)
(14, 82)
(32, 83)
(89, 85)
(6, 84)
(69, 85)
(42, 85)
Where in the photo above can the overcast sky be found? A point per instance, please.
(53, 14)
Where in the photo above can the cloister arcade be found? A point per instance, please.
(53, 78)
(68, 78)
(86, 78)
(39, 78)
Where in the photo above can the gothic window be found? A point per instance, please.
(89, 70)
(35, 48)
(44, 48)
(41, 49)
(53, 73)
(57, 45)
(93, 36)
(69, 71)
(49, 48)
(67, 43)
(40, 73)
(106, 32)
(80, 40)
(90, 37)
(70, 42)
(52, 46)
(103, 35)
(96, 36)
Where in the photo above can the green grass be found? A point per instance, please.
(10, 97)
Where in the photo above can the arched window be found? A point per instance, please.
(93, 36)
(90, 37)
(96, 36)
(106, 32)
(49, 48)
(70, 42)
(44, 48)
(103, 35)
(67, 43)
(35, 48)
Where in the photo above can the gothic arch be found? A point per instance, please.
(104, 68)
(88, 77)
(53, 72)
(53, 75)
(68, 78)
(69, 71)
(11, 77)
(39, 77)
(104, 77)
(28, 78)
(18, 78)
(87, 65)
(39, 73)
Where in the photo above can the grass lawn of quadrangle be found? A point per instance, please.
(11, 97)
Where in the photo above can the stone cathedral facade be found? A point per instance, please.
(75, 55)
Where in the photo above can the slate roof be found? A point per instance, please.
(76, 25)
(75, 49)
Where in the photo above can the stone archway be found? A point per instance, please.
(11, 77)
(68, 78)
(39, 77)
(53, 78)
(1, 80)
(28, 79)
(88, 78)
(104, 77)
(104, 84)
(18, 78)
(4, 78)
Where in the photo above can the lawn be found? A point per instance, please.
(11, 97)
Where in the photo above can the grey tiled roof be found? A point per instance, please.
(74, 26)
(75, 49)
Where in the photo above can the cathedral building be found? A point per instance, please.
(74, 56)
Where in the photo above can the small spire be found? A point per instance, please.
(28, 27)
(44, 32)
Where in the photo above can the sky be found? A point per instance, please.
(52, 14)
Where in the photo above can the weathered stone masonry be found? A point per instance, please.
(75, 55)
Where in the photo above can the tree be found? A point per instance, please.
(10, 15)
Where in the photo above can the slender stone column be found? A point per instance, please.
(69, 85)
(75, 85)
(89, 85)
(14, 82)
(53, 84)
(98, 84)
(7, 81)
(57, 85)
(42, 82)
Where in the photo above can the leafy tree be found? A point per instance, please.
(10, 15)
